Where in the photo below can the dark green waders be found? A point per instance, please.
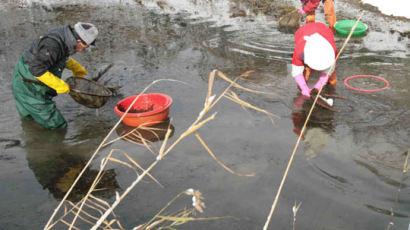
(34, 101)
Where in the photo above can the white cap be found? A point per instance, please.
(318, 53)
(87, 32)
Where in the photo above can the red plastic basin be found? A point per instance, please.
(148, 110)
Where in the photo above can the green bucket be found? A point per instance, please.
(345, 26)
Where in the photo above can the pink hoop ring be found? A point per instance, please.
(366, 90)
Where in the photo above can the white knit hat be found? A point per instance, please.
(87, 32)
(318, 53)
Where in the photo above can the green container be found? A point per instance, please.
(345, 26)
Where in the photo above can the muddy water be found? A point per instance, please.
(347, 171)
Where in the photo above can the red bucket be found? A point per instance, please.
(148, 110)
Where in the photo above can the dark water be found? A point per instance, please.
(347, 171)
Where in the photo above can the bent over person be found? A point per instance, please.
(37, 74)
(309, 8)
(315, 50)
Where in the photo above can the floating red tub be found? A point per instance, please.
(148, 110)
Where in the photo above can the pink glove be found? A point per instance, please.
(321, 82)
(300, 80)
(301, 11)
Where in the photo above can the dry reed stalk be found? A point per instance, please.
(139, 136)
(83, 218)
(98, 209)
(162, 210)
(234, 97)
(396, 200)
(162, 220)
(210, 85)
(93, 185)
(135, 133)
(217, 160)
(144, 141)
(69, 224)
(196, 125)
(119, 198)
(190, 130)
(46, 227)
(66, 212)
(123, 163)
(295, 210)
(97, 150)
(164, 143)
(185, 219)
(236, 85)
(406, 162)
(140, 167)
(100, 200)
(265, 227)
(178, 218)
(246, 73)
(86, 213)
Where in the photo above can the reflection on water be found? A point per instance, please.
(145, 135)
(56, 165)
(320, 126)
(387, 212)
(376, 172)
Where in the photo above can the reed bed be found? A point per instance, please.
(98, 213)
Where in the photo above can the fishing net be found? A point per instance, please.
(87, 92)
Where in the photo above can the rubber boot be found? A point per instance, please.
(329, 10)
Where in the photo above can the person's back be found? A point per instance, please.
(315, 50)
(56, 44)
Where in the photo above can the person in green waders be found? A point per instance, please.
(37, 74)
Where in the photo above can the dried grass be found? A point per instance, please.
(87, 209)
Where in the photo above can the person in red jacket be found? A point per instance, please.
(315, 50)
(309, 7)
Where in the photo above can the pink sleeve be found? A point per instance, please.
(311, 5)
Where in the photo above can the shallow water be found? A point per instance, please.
(347, 171)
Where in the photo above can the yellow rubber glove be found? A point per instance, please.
(76, 68)
(54, 82)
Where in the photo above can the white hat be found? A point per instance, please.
(87, 32)
(318, 53)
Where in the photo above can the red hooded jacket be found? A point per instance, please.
(310, 5)
(307, 30)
